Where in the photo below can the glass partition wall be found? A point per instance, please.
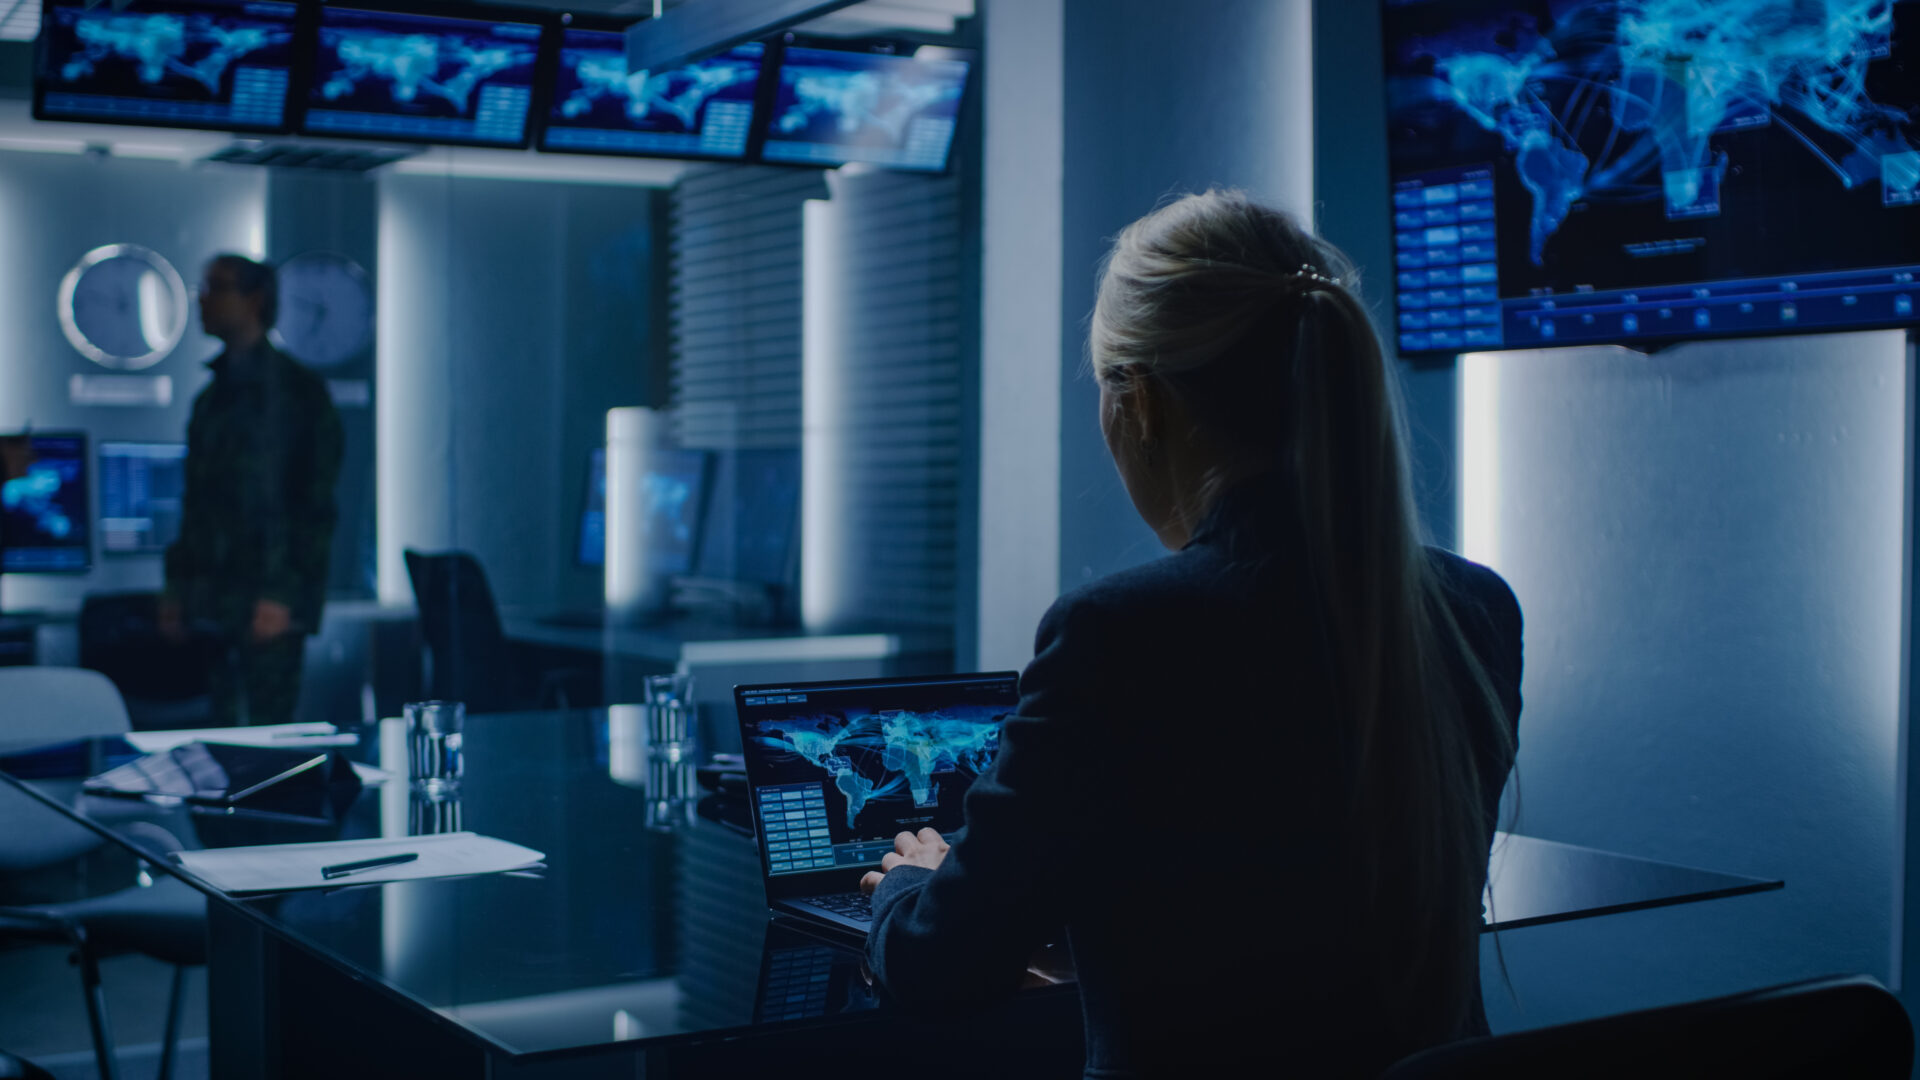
(577, 441)
(524, 441)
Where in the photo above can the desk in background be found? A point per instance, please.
(638, 952)
(364, 644)
(721, 655)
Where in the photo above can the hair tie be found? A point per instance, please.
(1308, 279)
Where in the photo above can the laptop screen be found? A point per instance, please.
(839, 769)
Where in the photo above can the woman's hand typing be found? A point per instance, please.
(924, 848)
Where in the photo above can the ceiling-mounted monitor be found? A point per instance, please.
(896, 106)
(1570, 172)
(596, 106)
(220, 64)
(424, 74)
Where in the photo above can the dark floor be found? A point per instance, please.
(43, 1017)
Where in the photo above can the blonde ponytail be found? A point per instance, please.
(1258, 326)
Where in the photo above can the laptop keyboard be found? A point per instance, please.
(851, 905)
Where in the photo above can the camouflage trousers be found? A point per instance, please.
(258, 684)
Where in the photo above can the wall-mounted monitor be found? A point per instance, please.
(420, 76)
(141, 485)
(596, 106)
(1573, 172)
(894, 106)
(44, 514)
(220, 64)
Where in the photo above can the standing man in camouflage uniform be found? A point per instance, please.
(257, 515)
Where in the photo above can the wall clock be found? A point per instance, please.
(326, 309)
(123, 307)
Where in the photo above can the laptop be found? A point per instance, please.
(836, 770)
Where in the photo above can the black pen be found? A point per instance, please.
(345, 868)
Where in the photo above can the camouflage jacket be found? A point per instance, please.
(257, 515)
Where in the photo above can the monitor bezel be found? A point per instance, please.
(296, 78)
(769, 67)
(886, 46)
(791, 886)
(1647, 344)
(545, 51)
(100, 472)
(86, 465)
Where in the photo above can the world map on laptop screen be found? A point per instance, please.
(839, 771)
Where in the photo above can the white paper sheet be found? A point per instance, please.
(284, 867)
(286, 736)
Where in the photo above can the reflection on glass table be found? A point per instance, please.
(630, 933)
(635, 947)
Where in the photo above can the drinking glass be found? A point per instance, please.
(434, 732)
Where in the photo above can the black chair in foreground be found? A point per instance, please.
(1839, 1025)
(14, 1068)
(473, 661)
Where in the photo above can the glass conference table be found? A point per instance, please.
(643, 948)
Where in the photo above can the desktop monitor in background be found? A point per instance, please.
(672, 499)
(591, 547)
(672, 496)
(1597, 171)
(703, 110)
(897, 108)
(401, 75)
(754, 516)
(44, 514)
(221, 64)
(140, 489)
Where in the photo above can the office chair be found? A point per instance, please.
(167, 920)
(1840, 1025)
(17, 1068)
(164, 684)
(473, 661)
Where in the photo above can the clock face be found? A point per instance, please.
(326, 309)
(123, 307)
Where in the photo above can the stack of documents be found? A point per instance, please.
(284, 867)
(285, 736)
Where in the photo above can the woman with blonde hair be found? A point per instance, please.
(1254, 782)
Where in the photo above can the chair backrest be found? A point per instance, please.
(1841, 1025)
(41, 706)
(13, 1068)
(58, 704)
(461, 624)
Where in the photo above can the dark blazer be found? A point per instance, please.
(1168, 792)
